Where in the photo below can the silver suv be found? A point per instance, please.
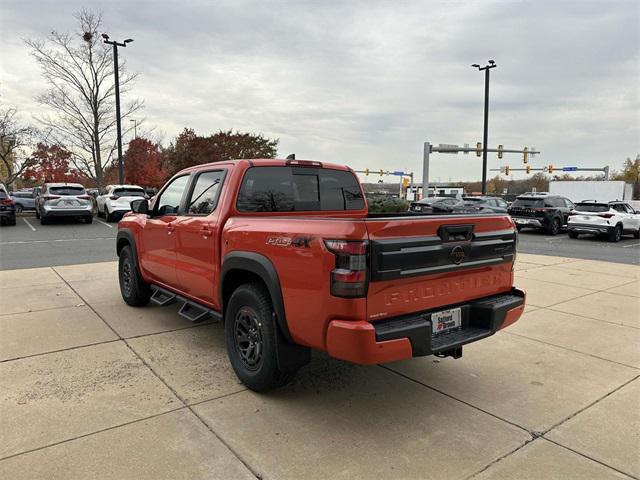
(63, 200)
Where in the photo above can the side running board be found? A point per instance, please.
(190, 310)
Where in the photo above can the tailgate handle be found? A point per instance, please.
(456, 233)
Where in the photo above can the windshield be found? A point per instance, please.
(528, 202)
(67, 190)
(129, 192)
(592, 207)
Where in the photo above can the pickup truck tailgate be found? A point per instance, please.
(425, 262)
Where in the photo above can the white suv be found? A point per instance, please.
(116, 200)
(612, 218)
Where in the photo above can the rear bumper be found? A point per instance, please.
(588, 228)
(67, 212)
(528, 222)
(411, 336)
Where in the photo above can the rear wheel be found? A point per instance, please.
(88, 219)
(37, 213)
(636, 234)
(107, 216)
(18, 208)
(135, 291)
(616, 235)
(554, 227)
(44, 220)
(573, 234)
(250, 335)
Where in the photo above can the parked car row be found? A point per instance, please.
(68, 200)
(549, 213)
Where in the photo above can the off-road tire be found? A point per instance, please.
(616, 235)
(554, 227)
(135, 291)
(250, 305)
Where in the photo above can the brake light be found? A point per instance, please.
(572, 212)
(84, 197)
(6, 201)
(606, 215)
(50, 197)
(349, 278)
(303, 163)
(114, 197)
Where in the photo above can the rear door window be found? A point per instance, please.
(204, 196)
(298, 189)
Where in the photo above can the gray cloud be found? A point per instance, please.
(366, 83)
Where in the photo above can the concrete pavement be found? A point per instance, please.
(92, 388)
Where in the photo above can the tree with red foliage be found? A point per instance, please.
(50, 163)
(145, 164)
(190, 149)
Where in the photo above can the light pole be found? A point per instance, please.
(135, 127)
(118, 126)
(491, 64)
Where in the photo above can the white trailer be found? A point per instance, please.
(600, 191)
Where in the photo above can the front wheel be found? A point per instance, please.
(135, 291)
(250, 335)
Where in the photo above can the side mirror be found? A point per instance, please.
(140, 205)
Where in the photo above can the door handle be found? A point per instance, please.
(205, 232)
(170, 228)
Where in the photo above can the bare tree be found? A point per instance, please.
(81, 93)
(16, 139)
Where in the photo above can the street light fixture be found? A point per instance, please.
(115, 45)
(486, 68)
(135, 127)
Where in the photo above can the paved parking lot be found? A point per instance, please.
(68, 242)
(92, 388)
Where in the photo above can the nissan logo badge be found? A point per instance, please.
(457, 254)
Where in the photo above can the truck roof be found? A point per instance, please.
(271, 162)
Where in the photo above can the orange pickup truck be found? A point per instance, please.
(285, 253)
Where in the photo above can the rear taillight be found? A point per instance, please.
(572, 212)
(606, 215)
(114, 197)
(6, 201)
(50, 197)
(84, 197)
(349, 278)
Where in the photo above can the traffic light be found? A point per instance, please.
(500, 148)
(366, 172)
(506, 170)
(528, 168)
(550, 168)
(405, 182)
(478, 149)
(525, 155)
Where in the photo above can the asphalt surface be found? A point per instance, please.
(68, 242)
(64, 242)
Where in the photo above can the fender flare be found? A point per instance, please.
(261, 266)
(126, 236)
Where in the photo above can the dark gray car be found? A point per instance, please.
(24, 200)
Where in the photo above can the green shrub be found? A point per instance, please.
(387, 205)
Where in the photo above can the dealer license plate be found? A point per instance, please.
(446, 320)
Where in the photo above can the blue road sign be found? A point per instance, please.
(398, 173)
(569, 169)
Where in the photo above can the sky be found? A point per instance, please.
(366, 83)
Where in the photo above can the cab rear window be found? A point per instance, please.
(592, 207)
(298, 189)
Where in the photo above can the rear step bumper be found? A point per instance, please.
(411, 335)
